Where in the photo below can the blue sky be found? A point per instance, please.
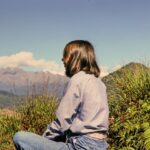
(33, 33)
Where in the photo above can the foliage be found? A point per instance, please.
(129, 105)
(37, 112)
(33, 115)
(9, 125)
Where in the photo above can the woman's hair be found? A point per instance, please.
(78, 56)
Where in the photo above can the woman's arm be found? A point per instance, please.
(65, 113)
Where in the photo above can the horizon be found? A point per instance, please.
(34, 33)
(102, 74)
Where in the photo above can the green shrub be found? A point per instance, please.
(37, 112)
(33, 115)
(9, 125)
(129, 105)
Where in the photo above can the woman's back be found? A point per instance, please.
(90, 99)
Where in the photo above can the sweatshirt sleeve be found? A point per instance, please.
(65, 113)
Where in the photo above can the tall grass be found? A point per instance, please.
(33, 115)
(37, 112)
(129, 103)
(9, 125)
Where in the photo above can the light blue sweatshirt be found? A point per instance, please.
(83, 109)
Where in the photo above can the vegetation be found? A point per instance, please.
(33, 115)
(9, 125)
(129, 103)
(37, 112)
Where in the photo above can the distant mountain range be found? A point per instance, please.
(20, 82)
(15, 82)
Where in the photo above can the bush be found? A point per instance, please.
(37, 112)
(9, 125)
(129, 105)
(33, 116)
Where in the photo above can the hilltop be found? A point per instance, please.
(133, 68)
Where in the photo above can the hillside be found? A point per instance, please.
(133, 68)
(8, 100)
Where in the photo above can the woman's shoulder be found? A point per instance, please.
(83, 78)
(80, 76)
(86, 82)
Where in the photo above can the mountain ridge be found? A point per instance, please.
(20, 82)
(132, 69)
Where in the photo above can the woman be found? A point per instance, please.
(82, 115)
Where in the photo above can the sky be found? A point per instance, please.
(33, 33)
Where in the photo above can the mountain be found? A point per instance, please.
(133, 68)
(20, 82)
(8, 99)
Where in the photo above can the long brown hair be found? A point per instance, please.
(79, 55)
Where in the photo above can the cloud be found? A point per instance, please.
(104, 71)
(116, 67)
(25, 59)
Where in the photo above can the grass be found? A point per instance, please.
(9, 125)
(129, 104)
(33, 116)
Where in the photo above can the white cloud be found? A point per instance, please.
(116, 67)
(104, 71)
(26, 60)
